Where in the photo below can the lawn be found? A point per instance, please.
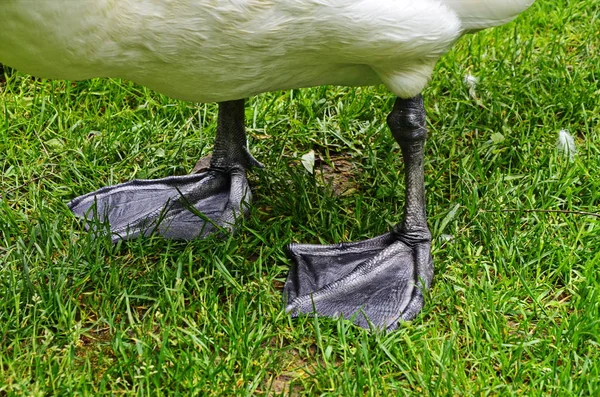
(515, 304)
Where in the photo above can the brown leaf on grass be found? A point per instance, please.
(202, 165)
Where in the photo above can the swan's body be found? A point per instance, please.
(219, 50)
(226, 50)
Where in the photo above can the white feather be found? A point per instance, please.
(471, 83)
(481, 14)
(566, 144)
(308, 161)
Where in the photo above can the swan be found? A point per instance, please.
(227, 50)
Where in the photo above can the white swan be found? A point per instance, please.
(220, 50)
(227, 50)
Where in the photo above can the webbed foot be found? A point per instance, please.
(378, 281)
(179, 207)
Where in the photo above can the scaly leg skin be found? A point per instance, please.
(180, 207)
(380, 281)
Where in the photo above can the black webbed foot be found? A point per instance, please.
(181, 207)
(377, 281)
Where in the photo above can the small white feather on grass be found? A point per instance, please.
(566, 144)
(471, 84)
(308, 161)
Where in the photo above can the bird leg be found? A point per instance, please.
(379, 281)
(180, 207)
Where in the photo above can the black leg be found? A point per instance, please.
(231, 148)
(407, 121)
(377, 281)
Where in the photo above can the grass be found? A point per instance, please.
(515, 305)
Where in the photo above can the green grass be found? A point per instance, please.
(515, 305)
